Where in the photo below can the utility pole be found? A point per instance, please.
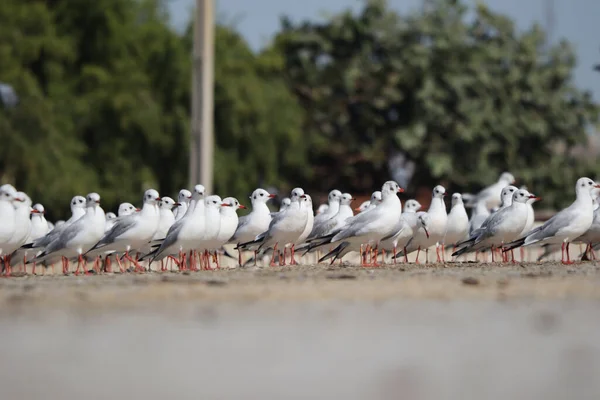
(202, 135)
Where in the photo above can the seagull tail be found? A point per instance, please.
(335, 252)
(514, 244)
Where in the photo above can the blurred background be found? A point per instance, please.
(99, 96)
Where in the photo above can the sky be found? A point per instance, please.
(575, 20)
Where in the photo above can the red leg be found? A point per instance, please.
(562, 253)
(292, 253)
(121, 268)
(493, 254)
(418, 252)
(272, 262)
(65, 265)
(395, 260)
(240, 258)
(512, 255)
(406, 256)
(437, 253)
(568, 256)
(256, 255)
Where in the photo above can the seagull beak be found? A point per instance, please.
(189, 197)
(357, 209)
(97, 201)
(242, 206)
(158, 199)
(177, 204)
(303, 196)
(138, 209)
(19, 199)
(271, 196)
(225, 205)
(426, 232)
(444, 194)
(533, 196)
(34, 211)
(400, 190)
(353, 199)
(597, 186)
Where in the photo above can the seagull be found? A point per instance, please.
(183, 201)
(185, 232)
(490, 195)
(124, 210)
(336, 222)
(333, 201)
(8, 197)
(307, 205)
(77, 205)
(458, 222)
(369, 227)
(78, 237)
(567, 225)
(212, 222)
(166, 217)
(229, 221)
(437, 226)
(502, 227)
(411, 206)
(363, 206)
(39, 228)
(322, 208)
(256, 222)
(592, 236)
(131, 231)
(285, 227)
(22, 228)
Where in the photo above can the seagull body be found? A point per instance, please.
(568, 224)
(437, 227)
(212, 220)
(307, 206)
(502, 227)
(8, 196)
(333, 201)
(22, 223)
(78, 237)
(185, 232)
(457, 227)
(370, 226)
(257, 221)
(490, 195)
(132, 231)
(166, 218)
(183, 202)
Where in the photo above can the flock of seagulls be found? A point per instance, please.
(192, 231)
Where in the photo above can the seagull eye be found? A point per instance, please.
(261, 195)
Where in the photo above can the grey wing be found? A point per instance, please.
(242, 221)
(400, 225)
(48, 238)
(119, 228)
(549, 228)
(171, 237)
(66, 235)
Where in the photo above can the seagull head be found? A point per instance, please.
(439, 192)
(347, 199)
(126, 209)
(375, 198)
(199, 192)
(260, 196)
(335, 196)
(507, 178)
(586, 186)
(390, 188)
(151, 197)
(412, 205)
(167, 203)
(77, 202)
(184, 196)
(38, 209)
(296, 194)
(110, 215)
(522, 196)
(506, 196)
(213, 201)
(92, 200)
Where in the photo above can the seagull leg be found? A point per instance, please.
(255, 256)
(395, 260)
(382, 256)
(418, 252)
(272, 262)
(512, 255)
(65, 265)
(437, 253)
(568, 257)
(240, 257)
(493, 254)
(292, 253)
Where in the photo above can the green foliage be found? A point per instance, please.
(105, 97)
(463, 98)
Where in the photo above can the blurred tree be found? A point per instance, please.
(104, 92)
(464, 99)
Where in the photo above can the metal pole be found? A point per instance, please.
(202, 139)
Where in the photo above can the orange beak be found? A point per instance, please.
(225, 205)
(138, 209)
(357, 209)
(242, 206)
(400, 190)
(271, 196)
